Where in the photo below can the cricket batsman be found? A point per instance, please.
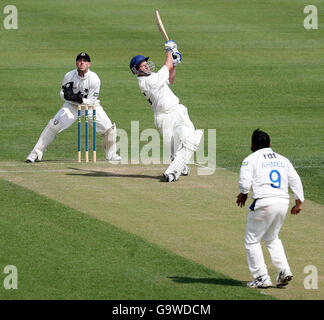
(170, 117)
(269, 174)
(80, 86)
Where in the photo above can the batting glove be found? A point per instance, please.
(176, 58)
(170, 45)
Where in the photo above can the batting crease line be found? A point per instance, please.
(95, 169)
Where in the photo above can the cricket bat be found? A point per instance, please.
(160, 25)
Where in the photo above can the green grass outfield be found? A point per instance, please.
(246, 64)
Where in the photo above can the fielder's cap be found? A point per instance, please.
(84, 56)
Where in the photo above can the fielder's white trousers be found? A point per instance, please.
(63, 119)
(265, 222)
(174, 126)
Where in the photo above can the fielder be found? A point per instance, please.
(269, 174)
(170, 117)
(80, 86)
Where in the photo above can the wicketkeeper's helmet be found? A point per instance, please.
(136, 61)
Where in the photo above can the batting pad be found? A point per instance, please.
(184, 154)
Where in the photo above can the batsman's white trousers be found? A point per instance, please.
(264, 221)
(174, 126)
(63, 119)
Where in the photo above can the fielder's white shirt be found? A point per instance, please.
(156, 89)
(89, 86)
(269, 174)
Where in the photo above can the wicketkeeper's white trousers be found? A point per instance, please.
(63, 119)
(264, 221)
(68, 114)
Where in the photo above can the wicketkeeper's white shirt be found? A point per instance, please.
(269, 174)
(89, 86)
(156, 89)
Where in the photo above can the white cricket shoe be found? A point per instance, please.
(260, 282)
(32, 158)
(169, 177)
(283, 278)
(185, 171)
(114, 157)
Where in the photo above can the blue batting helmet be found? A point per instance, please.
(136, 61)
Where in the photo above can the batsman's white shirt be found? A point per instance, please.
(170, 117)
(270, 174)
(156, 89)
(88, 85)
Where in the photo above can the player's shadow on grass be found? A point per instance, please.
(94, 173)
(215, 281)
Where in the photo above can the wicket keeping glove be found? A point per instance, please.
(70, 95)
(68, 87)
(170, 45)
(176, 58)
(76, 97)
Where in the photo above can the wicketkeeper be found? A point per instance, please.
(269, 174)
(80, 86)
(170, 117)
